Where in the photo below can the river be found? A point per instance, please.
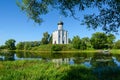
(87, 59)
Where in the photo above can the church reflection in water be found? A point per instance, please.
(88, 60)
(71, 61)
(63, 61)
(97, 60)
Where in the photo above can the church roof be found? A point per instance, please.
(60, 23)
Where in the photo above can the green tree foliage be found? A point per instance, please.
(61, 47)
(3, 47)
(27, 45)
(117, 44)
(57, 47)
(50, 40)
(108, 16)
(10, 44)
(20, 46)
(35, 43)
(69, 41)
(110, 40)
(99, 40)
(76, 42)
(86, 43)
(46, 38)
(83, 45)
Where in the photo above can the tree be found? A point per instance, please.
(87, 43)
(99, 40)
(27, 45)
(83, 45)
(110, 40)
(50, 40)
(45, 39)
(2, 47)
(108, 17)
(36, 43)
(117, 44)
(20, 46)
(76, 42)
(69, 41)
(10, 44)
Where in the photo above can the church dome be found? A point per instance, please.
(60, 23)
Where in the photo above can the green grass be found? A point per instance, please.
(64, 49)
(28, 70)
(115, 51)
(41, 70)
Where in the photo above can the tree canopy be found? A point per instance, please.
(117, 44)
(100, 40)
(108, 17)
(46, 38)
(10, 44)
(76, 42)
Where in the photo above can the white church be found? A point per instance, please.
(60, 36)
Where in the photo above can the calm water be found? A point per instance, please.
(87, 59)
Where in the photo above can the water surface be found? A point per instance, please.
(87, 59)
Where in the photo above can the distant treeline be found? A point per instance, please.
(98, 40)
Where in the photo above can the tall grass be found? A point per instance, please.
(38, 70)
(41, 70)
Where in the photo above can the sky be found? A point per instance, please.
(14, 24)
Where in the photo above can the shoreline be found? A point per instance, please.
(72, 51)
(67, 51)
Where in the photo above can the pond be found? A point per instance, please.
(87, 59)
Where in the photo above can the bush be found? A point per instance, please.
(57, 47)
(62, 47)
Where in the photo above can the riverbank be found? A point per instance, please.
(67, 49)
(49, 48)
(114, 51)
(117, 51)
(40, 70)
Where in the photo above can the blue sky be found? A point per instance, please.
(16, 25)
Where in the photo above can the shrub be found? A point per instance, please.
(57, 47)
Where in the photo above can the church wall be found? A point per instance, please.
(60, 36)
(65, 37)
(55, 37)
